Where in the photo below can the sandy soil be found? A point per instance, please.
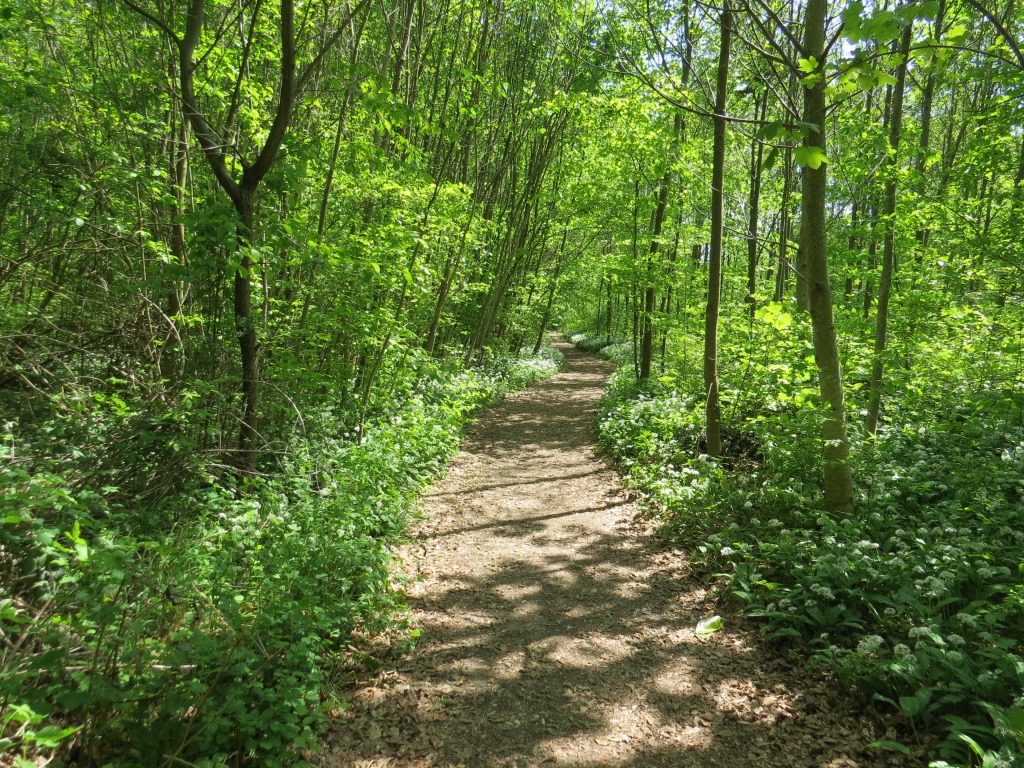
(556, 631)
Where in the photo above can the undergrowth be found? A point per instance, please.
(196, 625)
(915, 602)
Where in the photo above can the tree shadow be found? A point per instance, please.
(463, 492)
(520, 527)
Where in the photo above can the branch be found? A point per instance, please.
(160, 24)
(310, 69)
(1001, 29)
(254, 174)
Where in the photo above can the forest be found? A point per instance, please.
(262, 260)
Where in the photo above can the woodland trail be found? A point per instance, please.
(555, 631)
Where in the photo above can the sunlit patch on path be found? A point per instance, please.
(554, 632)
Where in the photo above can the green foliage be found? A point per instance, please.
(589, 343)
(153, 593)
(915, 603)
(810, 157)
(207, 633)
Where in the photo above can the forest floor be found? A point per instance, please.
(557, 631)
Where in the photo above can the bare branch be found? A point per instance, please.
(153, 19)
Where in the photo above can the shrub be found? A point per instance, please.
(197, 626)
(916, 602)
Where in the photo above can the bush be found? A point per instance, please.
(198, 628)
(916, 603)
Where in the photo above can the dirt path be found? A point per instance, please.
(555, 632)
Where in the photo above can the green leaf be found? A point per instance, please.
(810, 81)
(774, 130)
(976, 748)
(956, 34)
(809, 157)
(808, 65)
(709, 626)
(50, 736)
(775, 316)
(894, 746)
(912, 706)
(1013, 718)
(23, 713)
(851, 20)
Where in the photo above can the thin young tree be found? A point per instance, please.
(837, 477)
(713, 407)
(889, 242)
(240, 178)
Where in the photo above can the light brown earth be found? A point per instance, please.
(557, 632)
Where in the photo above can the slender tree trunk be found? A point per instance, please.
(785, 227)
(889, 245)
(837, 478)
(713, 408)
(853, 245)
(245, 328)
(608, 311)
(647, 338)
(869, 283)
(800, 270)
(325, 195)
(924, 145)
(634, 303)
(754, 207)
(546, 316)
(170, 355)
(635, 244)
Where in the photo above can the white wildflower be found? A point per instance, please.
(869, 645)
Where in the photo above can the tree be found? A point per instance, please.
(837, 477)
(713, 409)
(889, 217)
(225, 160)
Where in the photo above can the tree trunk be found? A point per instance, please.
(647, 338)
(713, 408)
(754, 206)
(608, 311)
(837, 478)
(546, 316)
(889, 245)
(245, 328)
(853, 245)
(785, 225)
(924, 145)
